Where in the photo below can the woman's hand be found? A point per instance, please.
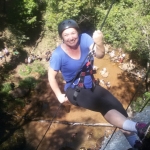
(98, 45)
(54, 85)
(62, 98)
(98, 37)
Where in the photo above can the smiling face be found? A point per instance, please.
(70, 37)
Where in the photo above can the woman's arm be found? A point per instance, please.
(99, 44)
(54, 85)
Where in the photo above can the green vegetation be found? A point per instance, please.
(126, 26)
(140, 102)
(25, 70)
(39, 68)
(28, 82)
(5, 88)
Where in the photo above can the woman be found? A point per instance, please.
(80, 88)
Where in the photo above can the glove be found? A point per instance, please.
(98, 37)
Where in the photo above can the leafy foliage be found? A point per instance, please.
(127, 24)
(39, 68)
(140, 102)
(24, 18)
(127, 27)
(22, 13)
(25, 70)
(28, 82)
(5, 88)
(80, 10)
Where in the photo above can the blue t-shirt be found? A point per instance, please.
(68, 66)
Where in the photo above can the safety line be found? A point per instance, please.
(49, 125)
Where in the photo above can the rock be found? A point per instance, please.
(104, 73)
(118, 140)
(95, 68)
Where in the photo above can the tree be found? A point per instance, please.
(128, 26)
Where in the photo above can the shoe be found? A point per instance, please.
(143, 130)
(138, 145)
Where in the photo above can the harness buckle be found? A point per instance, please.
(83, 74)
(88, 63)
(80, 84)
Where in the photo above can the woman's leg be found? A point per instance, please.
(101, 100)
(115, 118)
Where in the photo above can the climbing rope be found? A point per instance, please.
(49, 125)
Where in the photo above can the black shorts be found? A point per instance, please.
(99, 100)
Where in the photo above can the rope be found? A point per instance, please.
(49, 125)
(146, 83)
(113, 1)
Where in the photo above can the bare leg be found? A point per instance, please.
(115, 118)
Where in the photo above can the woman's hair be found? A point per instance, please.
(69, 23)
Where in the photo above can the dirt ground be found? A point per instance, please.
(63, 135)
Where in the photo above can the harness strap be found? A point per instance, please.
(83, 74)
(76, 92)
(80, 85)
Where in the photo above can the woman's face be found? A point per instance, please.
(70, 37)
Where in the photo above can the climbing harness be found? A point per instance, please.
(80, 84)
(90, 54)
